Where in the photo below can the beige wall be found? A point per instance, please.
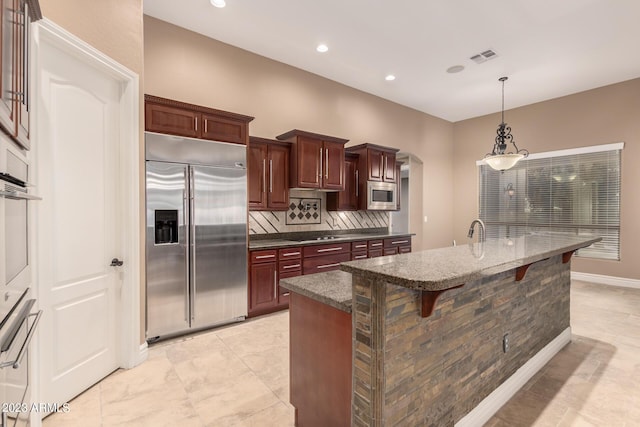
(600, 116)
(185, 66)
(114, 27)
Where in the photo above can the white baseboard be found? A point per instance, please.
(606, 280)
(492, 403)
(144, 353)
(136, 358)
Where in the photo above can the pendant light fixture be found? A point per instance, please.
(498, 159)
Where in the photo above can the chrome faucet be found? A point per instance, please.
(481, 238)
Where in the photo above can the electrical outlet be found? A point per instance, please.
(505, 343)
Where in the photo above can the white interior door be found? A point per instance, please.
(77, 222)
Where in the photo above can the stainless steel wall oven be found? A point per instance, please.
(17, 322)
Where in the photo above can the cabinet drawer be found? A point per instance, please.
(294, 265)
(374, 253)
(375, 244)
(404, 249)
(270, 255)
(390, 251)
(320, 264)
(283, 293)
(359, 255)
(397, 241)
(290, 253)
(359, 246)
(336, 248)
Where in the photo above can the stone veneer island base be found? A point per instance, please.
(426, 336)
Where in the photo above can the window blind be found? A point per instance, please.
(576, 193)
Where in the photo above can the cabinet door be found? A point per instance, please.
(346, 200)
(22, 70)
(333, 165)
(389, 167)
(309, 152)
(278, 175)
(263, 286)
(375, 165)
(257, 175)
(7, 44)
(171, 120)
(223, 129)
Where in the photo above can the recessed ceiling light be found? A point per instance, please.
(218, 3)
(390, 78)
(322, 48)
(455, 69)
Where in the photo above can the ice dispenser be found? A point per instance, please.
(166, 226)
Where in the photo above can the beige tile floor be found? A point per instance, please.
(238, 376)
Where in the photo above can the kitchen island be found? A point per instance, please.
(428, 335)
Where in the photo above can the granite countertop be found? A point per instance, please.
(285, 243)
(444, 268)
(332, 288)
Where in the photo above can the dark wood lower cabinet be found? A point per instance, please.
(320, 363)
(268, 266)
(263, 290)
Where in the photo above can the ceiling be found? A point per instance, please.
(547, 48)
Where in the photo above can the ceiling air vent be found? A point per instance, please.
(484, 56)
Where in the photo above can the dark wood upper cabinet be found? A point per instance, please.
(257, 175)
(194, 121)
(333, 165)
(389, 163)
(377, 163)
(306, 168)
(317, 161)
(173, 120)
(15, 21)
(278, 161)
(346, 200)
(268, 171)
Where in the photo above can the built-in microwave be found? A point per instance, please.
(381, 196)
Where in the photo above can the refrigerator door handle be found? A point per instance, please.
(187, 239)
(192, 246)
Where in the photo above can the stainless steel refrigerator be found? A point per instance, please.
(196, 234)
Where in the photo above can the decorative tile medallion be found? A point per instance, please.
(304, 211)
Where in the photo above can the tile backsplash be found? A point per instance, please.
(307, 212)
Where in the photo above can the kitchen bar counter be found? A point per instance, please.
(446, 268)
(498, 311)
